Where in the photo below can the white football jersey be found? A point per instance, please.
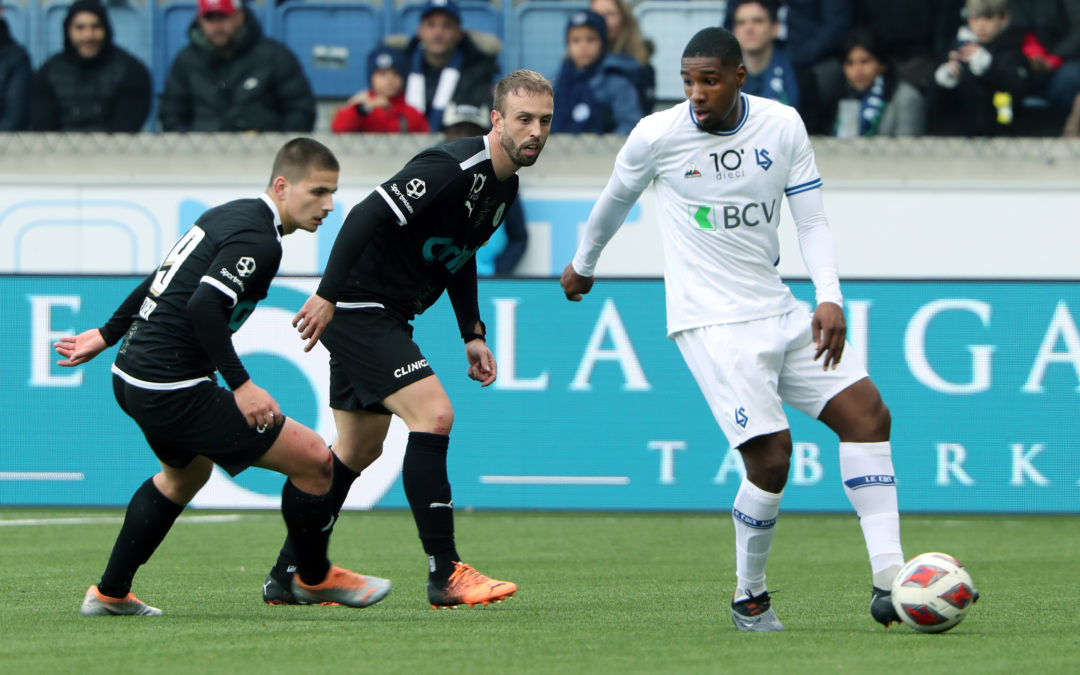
(718, 200)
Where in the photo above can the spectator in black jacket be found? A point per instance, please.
(1051, 31)
(92, 85)
(15, 78)
(233, 78)
(913, 32)
(448, 66)
(978, 90)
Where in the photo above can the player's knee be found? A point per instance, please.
(357, 453)
(439, 419)
(767, 466)
(315, 470)
(181, 487)
(882, 421)
(769, 476)
(872, 426)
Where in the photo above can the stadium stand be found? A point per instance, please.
(332, 41)
(483, 15)
(169, 27)
(536, 35)
(669, 24)
(132, 22)
(17, 13)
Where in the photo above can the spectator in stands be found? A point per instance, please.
(233, 78)
(769, 71)
(624, 37)
(502, 252)
(15, 79)
(595, 91)
(92, 85)
(977, 91)
(1051, 43)
(912, 32)
(875, 102)
(813, 33)
(382, 107)
(447, 64)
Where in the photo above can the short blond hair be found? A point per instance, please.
(529, 80)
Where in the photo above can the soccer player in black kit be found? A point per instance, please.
(176, 330)
(398, 250)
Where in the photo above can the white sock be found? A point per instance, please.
(754, 513)
(870, 485)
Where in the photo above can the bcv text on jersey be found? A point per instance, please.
(730, 216)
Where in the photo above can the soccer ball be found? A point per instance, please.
(933, 592)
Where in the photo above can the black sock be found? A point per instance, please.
(427, 488)
(344, 477)
(149, 517)
(308, 519)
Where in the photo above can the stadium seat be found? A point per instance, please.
(332, 41)
(482, 15)
(536, 37)
(670, 24)
(131, 21)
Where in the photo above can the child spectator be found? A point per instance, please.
(978, 90)
(875, 102)
(596, 91)
(382, 107)
(624, 37)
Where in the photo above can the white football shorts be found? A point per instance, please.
(748, 370)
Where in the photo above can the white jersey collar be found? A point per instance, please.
(742, 118)
(273, 209)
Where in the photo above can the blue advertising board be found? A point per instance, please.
(594, 408)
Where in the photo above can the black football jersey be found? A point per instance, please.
(236, 249)
(447, 203)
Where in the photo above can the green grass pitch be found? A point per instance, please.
(599, 593)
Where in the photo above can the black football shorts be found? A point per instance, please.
(372, 355)
(200, 420)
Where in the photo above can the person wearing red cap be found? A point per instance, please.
(233, 78)
(92, 85)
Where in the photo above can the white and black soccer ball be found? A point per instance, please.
(933, 592)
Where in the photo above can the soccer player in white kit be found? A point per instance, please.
(720, 162)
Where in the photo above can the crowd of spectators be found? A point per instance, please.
(850, 67)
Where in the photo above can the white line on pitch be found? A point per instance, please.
(42, 475)
(105, 520)
(555, 480)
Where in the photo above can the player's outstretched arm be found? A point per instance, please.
(482, 366)
(830, 330)
(312, 319)
(573, 284)
(78, 349)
